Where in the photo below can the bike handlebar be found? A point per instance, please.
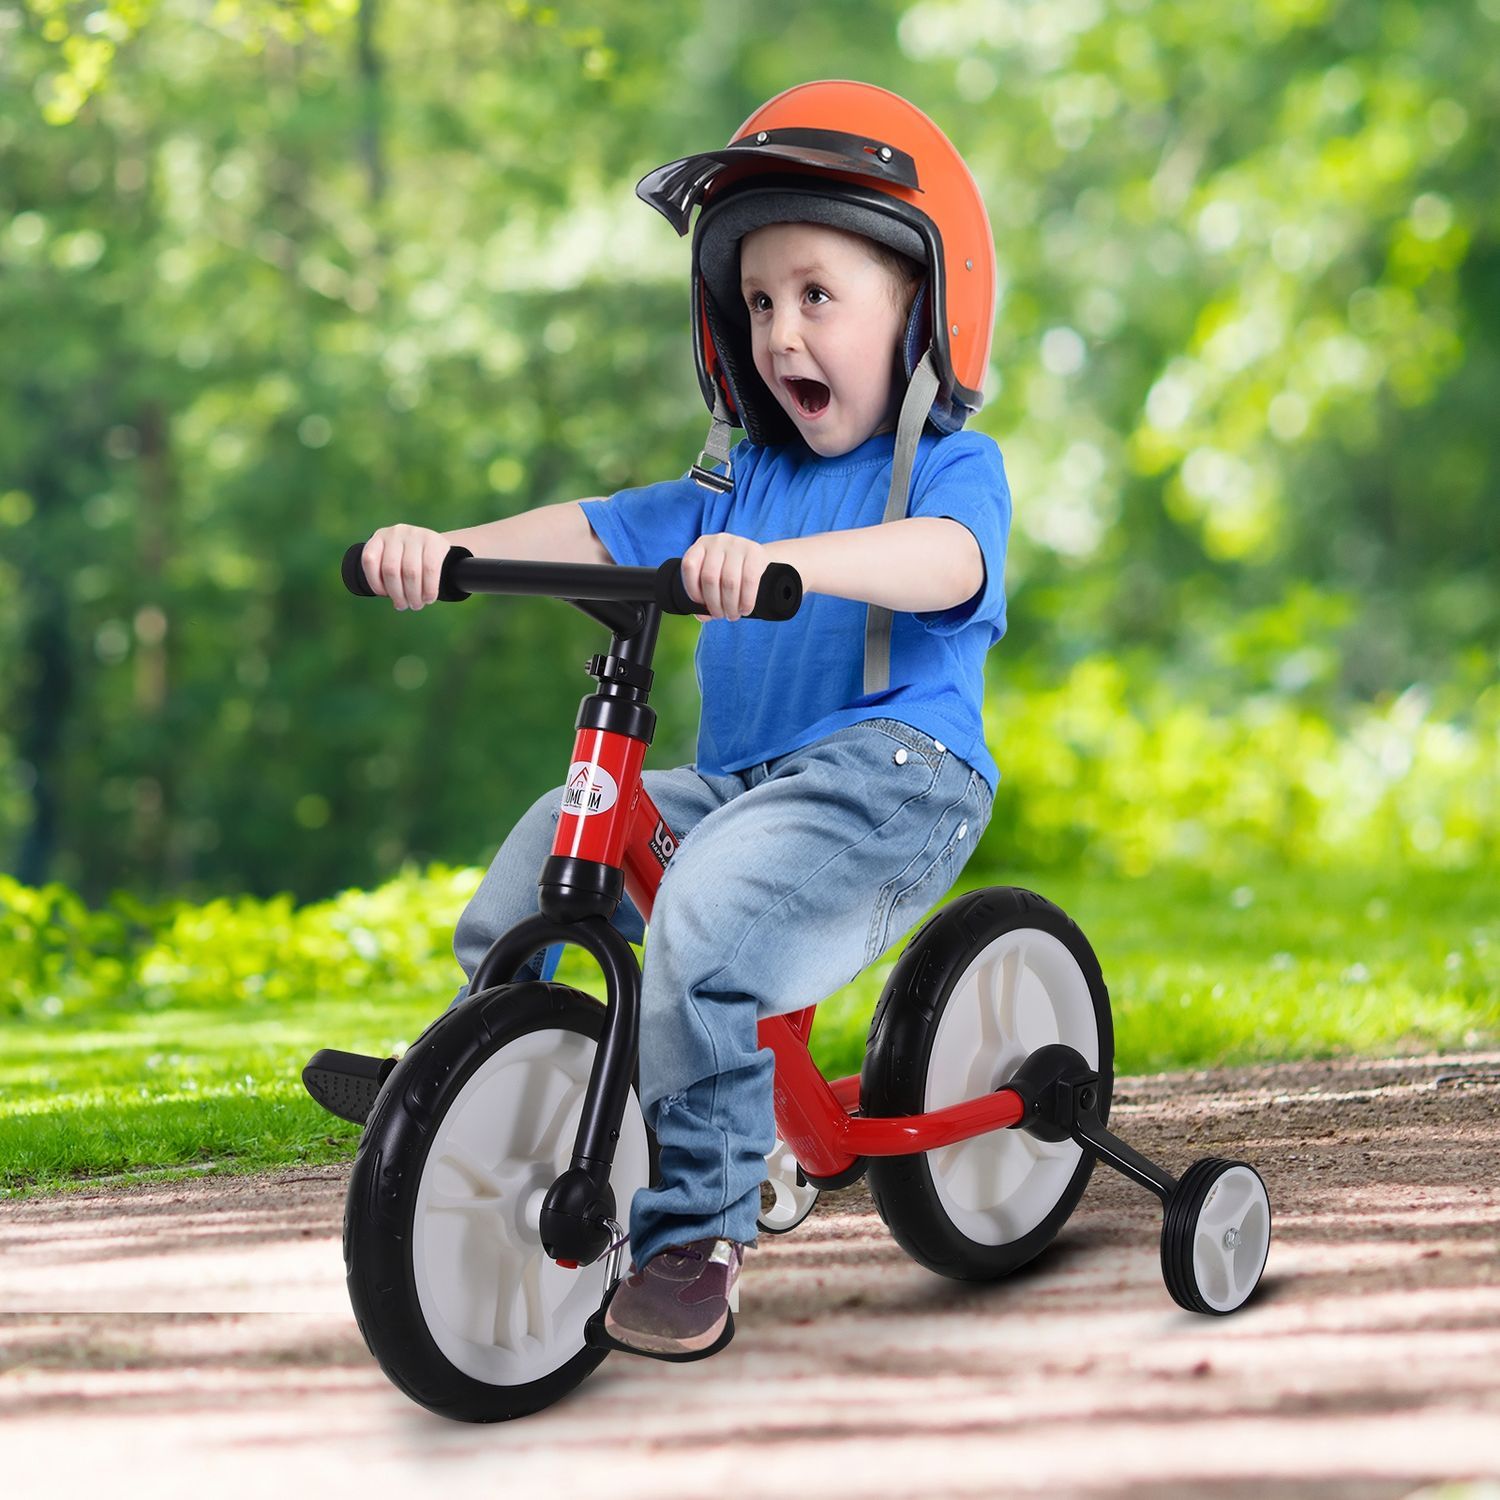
(779, 597)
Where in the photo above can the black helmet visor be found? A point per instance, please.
(674, 188)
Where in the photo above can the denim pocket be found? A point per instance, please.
(913, 741)
(984, 800)
(893, 760)
(905, 899)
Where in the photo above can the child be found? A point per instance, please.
(842, 777)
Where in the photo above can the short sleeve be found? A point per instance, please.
(645, 526)
(965, 481)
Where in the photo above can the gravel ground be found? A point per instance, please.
(195, 1337)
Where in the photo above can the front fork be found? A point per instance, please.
(581, 884)
(578, 1211)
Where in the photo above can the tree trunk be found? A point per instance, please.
(370, 146)
(44, 701)
(163, 860)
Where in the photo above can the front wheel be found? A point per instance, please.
(452, 1290)
(987, 981)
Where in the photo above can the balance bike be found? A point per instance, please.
(482, 1232)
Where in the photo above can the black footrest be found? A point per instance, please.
(346, 1084)
(597, 1336)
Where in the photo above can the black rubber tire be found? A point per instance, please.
(1180, 1221)
(382, 1197)
(893, 1079)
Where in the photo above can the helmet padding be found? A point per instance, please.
(721, 227)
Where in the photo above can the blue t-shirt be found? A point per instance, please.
(769, 687)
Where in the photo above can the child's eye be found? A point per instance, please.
(756, 297)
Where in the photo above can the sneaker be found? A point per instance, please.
(680, 1302)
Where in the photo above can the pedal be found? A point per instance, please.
(596, 1336)
(346, 1084)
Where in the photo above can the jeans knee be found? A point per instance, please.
(507, 893)
(683, 928)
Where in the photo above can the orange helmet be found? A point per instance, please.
(854, 157)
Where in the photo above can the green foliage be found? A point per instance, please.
(274, 275)
(1104, 770)
(62, 960)
(1110, 773)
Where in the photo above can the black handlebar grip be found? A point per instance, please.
(354, 572)
(779, 596)
(355, 581)
(447, 589)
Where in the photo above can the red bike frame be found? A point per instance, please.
(609, 817)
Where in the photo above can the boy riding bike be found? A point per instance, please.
(843, 294)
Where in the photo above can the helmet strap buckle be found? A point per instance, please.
(716, 450)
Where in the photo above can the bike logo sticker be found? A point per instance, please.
(663, 845)
(590, 789)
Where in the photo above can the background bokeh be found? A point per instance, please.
(273, 276)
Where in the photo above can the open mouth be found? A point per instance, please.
(810, 396)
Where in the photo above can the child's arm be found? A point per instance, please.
(550, 533)
(404, 562)
(920, 564)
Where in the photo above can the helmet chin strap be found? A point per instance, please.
(920, 394)
(716, 449)
(921, 391)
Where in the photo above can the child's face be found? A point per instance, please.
(823, 310)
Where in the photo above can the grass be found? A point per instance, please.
(1273, 966)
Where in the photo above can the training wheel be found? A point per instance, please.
(791, 1196)
(1215, 1236)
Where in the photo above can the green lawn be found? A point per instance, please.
(1201, 973)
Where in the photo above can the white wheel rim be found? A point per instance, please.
(793, 1202)
(1022, 992)
(1231, 1239)
(500, 1309)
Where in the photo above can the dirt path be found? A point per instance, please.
(195, 1339)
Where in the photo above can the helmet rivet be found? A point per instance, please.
(955, 328)
(968, 265)
(885, 153)
(762, 138)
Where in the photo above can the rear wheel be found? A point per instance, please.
(457, 1300)
(987, 980)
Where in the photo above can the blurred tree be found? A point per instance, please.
(275, 275)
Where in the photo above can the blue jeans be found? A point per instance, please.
(789, 879)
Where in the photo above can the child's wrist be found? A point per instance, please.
(794, 551)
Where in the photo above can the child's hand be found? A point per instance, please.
(724, 571)
(405, 562)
